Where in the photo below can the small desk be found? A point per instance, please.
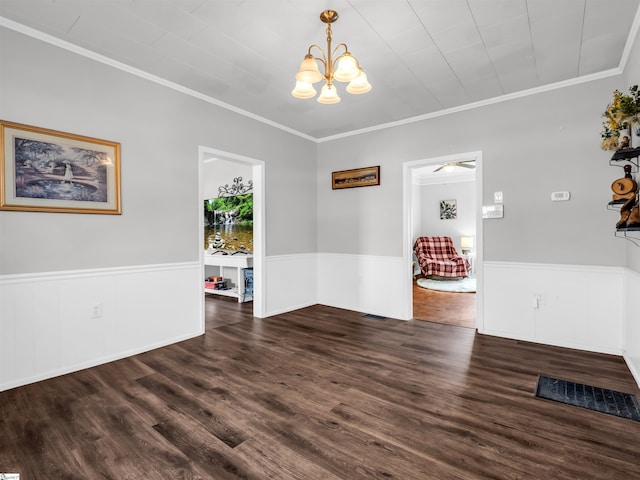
(239, 262)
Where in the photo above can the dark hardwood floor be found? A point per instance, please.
(321, 393)
(444, 307)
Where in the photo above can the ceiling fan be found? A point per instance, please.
(447, 167)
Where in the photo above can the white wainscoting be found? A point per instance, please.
(290, 282)
(579, 306)
(46, 324)
(631, 332)
(363, 283)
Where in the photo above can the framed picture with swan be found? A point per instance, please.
(50, 171)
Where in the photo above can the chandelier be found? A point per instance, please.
(343, 68)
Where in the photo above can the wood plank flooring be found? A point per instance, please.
(444, 307)
(321, 393)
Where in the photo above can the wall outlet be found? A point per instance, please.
(96, 310)
(537, 301)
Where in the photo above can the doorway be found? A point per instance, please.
(208, 156)
(463, 309)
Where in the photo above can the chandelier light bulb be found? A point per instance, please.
(309, 71)
(347, 69)
(303, 90)
(328, 95)
(338, 65)
(359, 84)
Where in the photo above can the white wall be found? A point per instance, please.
(290, 283)
(573, 306)
(530, 146)
(632, 279)
(143, 266)
(363, 283)
(219, 172)
(159, 130)
(429, 223)
(631, 325)
(48, 326)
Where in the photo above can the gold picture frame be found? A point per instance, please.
(46, 170)
(359, 177)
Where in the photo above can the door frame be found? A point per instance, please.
(407, 210)
(258, 174)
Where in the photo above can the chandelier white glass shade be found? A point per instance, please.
(344, 68)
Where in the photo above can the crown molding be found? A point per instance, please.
(20, 28)
(482, 103)
(633, 32)
(45, 37)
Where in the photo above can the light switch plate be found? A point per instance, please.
(492, 211)
(497, 197)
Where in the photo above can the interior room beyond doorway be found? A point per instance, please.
(232, 263)
(444, 307)
(443, 203)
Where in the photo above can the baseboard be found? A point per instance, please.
(49, 326)
(632, 368)
(95, 362)
(288, 309)
(553, 343)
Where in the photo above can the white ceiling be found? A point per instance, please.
(421, 56)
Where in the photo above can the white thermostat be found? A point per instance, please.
(560, 196)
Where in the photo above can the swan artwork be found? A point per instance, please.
(68, 173)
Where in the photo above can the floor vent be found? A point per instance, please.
(598, 399)
(375, 317)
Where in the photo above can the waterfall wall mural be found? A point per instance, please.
(228, 222)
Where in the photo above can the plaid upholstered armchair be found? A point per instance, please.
(438, 257)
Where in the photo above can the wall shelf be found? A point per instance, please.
(626, 156)
(621, 158)
(631, 233)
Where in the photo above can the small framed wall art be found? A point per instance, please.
(359, 177)
(448, 210)
(49, 171)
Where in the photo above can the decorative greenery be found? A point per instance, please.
(241, 205)
(620, 114)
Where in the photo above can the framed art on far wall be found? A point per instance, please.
(448, 209)
(49, 171)
(359, 177)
